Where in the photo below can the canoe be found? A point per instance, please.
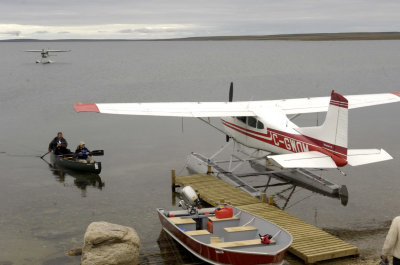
(70, 163)
(226, 240)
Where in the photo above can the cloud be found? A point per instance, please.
(104, 31)
(145, 30)
(152, 30)
(170, 19)
(16, 33)
(125, 31)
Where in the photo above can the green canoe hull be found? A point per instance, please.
(60, 161)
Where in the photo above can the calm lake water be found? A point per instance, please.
(43, 215)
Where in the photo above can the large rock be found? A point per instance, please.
(110, 244)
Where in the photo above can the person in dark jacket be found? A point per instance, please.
(83, 154)
(59, 145)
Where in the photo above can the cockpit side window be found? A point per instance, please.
(260, 125)
(252, 122)
(242, 119)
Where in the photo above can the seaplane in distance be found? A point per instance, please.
(45, 54)
(264, 126)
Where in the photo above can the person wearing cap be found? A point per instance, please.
(392, 243)
(83, 154)
(59, 145)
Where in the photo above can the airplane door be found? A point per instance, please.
(241, 135)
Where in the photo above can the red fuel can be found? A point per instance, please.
(225, 212)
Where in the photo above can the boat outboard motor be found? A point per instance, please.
(190, 201)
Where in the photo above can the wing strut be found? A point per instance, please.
(215, 127)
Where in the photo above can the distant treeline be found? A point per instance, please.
(298, 37)
(311, 37)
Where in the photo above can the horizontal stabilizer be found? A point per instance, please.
(357, 157)
(312, 159)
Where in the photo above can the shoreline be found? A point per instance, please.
(349, 36)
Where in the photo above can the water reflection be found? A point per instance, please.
(172, 252)
(81, 179)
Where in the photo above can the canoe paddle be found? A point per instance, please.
(97, 152)
(45, 154)
(93, 153)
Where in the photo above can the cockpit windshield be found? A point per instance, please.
(242, 119)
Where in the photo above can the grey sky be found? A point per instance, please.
(147, 19)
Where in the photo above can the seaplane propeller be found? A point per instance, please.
(230, 98)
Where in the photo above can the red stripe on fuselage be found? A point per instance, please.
(396, 93)
(294, 142)
(244, 129)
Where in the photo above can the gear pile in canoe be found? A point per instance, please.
(69, 161)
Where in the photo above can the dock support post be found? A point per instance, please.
(271, 200)
(208, 170)
(173, 176)
(263, 197)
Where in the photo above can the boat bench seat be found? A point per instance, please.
(201, 235)
(240, 243)
(239, 233)
(239, 228)
(215, 219)
(220, 223)
(181, 221)
(186, 224)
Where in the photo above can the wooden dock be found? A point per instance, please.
(310, 243)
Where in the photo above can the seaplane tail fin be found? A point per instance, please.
(312, 159)
(332, 134)
(357, 157)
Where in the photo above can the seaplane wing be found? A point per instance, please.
(48, 50)
(237, 108)
(320, 104)
(173, 109)
(58, 50)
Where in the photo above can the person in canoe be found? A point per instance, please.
(59, 145)
(83, 154)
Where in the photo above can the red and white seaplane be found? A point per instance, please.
(265, 127)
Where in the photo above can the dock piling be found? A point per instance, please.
(271, 200)
(263, 197)
(173, 179)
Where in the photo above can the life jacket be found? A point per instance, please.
(84, 152)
